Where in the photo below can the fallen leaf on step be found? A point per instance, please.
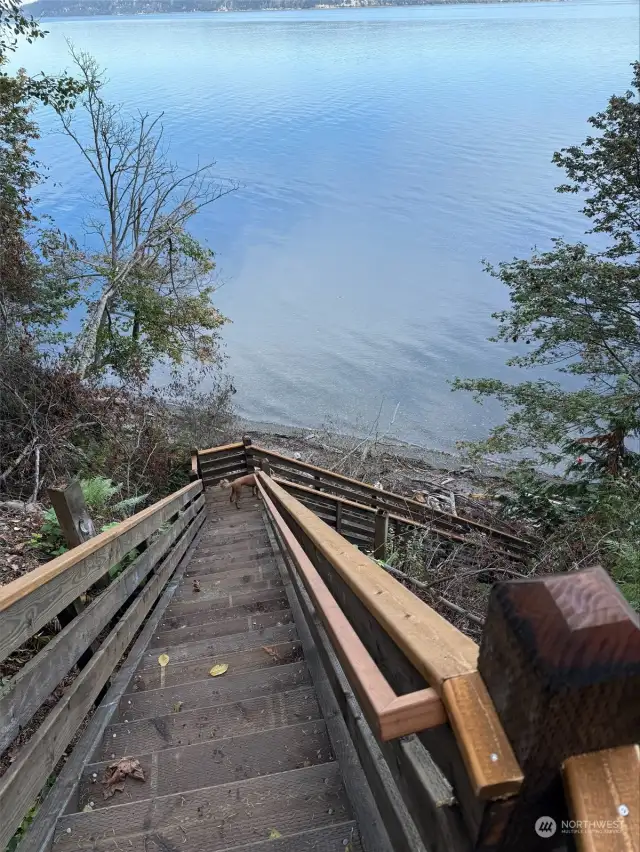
(177, 707)
(116, 774)
(163, 659)
(274, 834)
(218, 670)
(271, 652)
(88, 808)
(196, 586)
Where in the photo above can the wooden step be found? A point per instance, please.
(247, 528)
(221, 645)
(214, 818)
(234, 573)
(212, 690)
(264, 657)
(241, 537)
(247, 601)
(215, 591)
(230, 557)
(220, 567)
(209, 723)
(221, 627)
(197, 612)
(221, 761)
(252, 543)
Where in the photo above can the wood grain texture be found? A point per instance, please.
(388, 715)
(598, 785)
(487, 753)
(38, 678)
(386, 499)
(560, 656)
(410, 797)
(59, 798)
(72, 514)
(37, 758)
(221, 449)
(434, 646)
(28, 603)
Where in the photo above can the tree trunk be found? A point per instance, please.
(83, 354)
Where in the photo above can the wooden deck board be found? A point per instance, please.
(241, 761)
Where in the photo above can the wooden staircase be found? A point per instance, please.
(238, 761)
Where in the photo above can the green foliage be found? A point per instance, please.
(577, 308)
(98, 492)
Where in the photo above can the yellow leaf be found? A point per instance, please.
(274, 834)
(163, 659)
(218, 670)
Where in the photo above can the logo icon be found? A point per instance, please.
(545, 826)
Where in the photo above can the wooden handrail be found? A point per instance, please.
(238, 445)
(381, 494)
(167, 528)
(603, 789)
(435, 647)
(390, 716)
(370, 510)
(21, 615)
(445, 657)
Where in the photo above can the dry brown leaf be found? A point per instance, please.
(270, 651)
(116, 774)
(196, 586)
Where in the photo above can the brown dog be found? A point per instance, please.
(238, 484)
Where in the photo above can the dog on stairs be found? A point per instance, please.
(237, 485)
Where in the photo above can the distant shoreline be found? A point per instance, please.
(117, 8)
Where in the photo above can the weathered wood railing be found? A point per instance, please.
(554, 688)
(346, 503)
(160, 535)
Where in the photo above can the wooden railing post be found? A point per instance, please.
(72, 513)
(380, 534)
(77, 527)
(560, 656)
(265, 467)
(194, 473)
(338, 516)
(248, 452)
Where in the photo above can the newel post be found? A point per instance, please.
(248, 453)
(380, 534)
(194, 473)
(560, 656)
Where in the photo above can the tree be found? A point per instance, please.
(577, 308)
(146, 280)
(28, 298)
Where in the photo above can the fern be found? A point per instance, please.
(98, 492)
(124, 507)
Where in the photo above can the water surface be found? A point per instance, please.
(383, 153)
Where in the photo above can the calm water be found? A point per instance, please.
(383, 153)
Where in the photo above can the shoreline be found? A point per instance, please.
(60, 9)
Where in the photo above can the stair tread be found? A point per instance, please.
(142, 704)
(234, 573)
(250, 601)
(207, 723)
(230, 644)
(263, 657)
(230, 556)
(319, 786)
(221, 627)
(219, 761)
(271, 580)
